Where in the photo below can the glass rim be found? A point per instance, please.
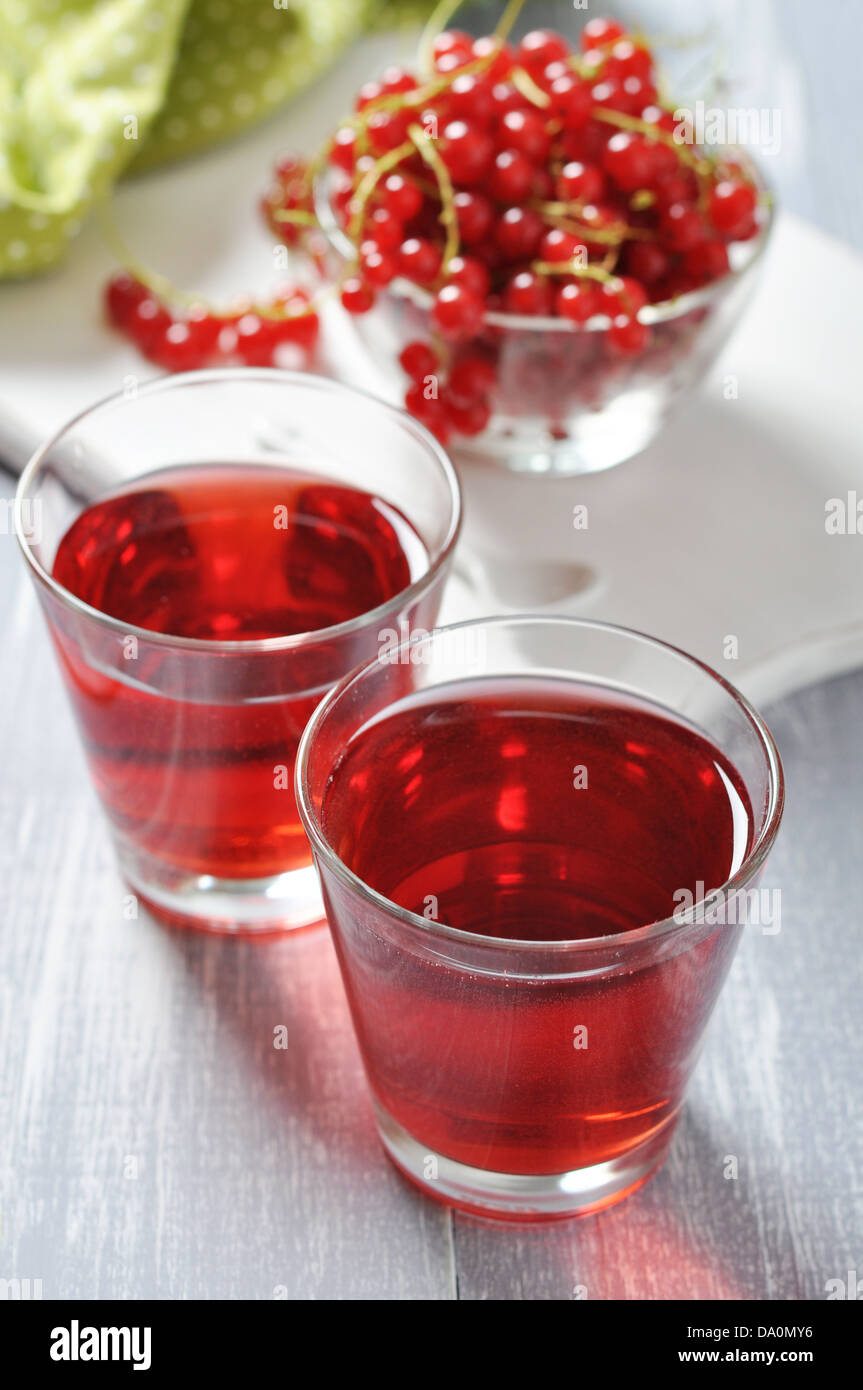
(295, 641)
(637, 936)
(651, 314)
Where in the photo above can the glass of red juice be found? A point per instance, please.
(536, 838)
(213, 551)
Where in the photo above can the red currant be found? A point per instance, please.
(418, 360)
(505, 97)
(682, 226)
(647, 261)
(356, 296)
(558, 246)
(468, 98)
(541, 47)
(467, 152)
(628, 59)
(623, 294)
(707, 261)
(496, 56)
(475, 216)
(256, 340)
(512, 177)
(123, 294)
(300, 323)
(526, 132)
(148, 321)
(385, 229)
(396, 79)
(629, 161)
(571, 99)
(457, 312)
(470, 273)
(387, 129)
(368, 93)
(419, 260)
(578, 301)
(343, 151)
(429, 410)
(518, 233)
(401, 198)
(468, 417)
(579, 182)
(528, 294)
(453, 43)
(471, 379)
(598, 32)
(379, 268)
(732, 206)
(626, 336)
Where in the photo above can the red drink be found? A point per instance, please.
(537, 811)
(204, 781)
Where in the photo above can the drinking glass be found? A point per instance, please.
(483, 1095)
(191, 743)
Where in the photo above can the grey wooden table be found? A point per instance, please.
(154, 1143)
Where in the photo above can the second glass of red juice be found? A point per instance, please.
(537, 839)
(213, 552)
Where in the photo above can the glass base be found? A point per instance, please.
(596, 442)
(229, 906)
(526, 1197)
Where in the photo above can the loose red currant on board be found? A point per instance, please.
(147, 322)
(123, 294)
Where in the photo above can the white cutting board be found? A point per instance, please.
(717, 531)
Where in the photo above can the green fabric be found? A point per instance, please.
(89, 88)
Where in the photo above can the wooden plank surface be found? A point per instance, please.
(154, 1142)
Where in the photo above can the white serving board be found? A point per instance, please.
(717, 531)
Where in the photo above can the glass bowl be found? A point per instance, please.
(563, 402)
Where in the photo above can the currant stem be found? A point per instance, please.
(370, 181)
(448, 216)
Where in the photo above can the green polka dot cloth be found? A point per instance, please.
(91, 88)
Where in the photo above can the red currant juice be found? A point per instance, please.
(541, 812)
(202, 777)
